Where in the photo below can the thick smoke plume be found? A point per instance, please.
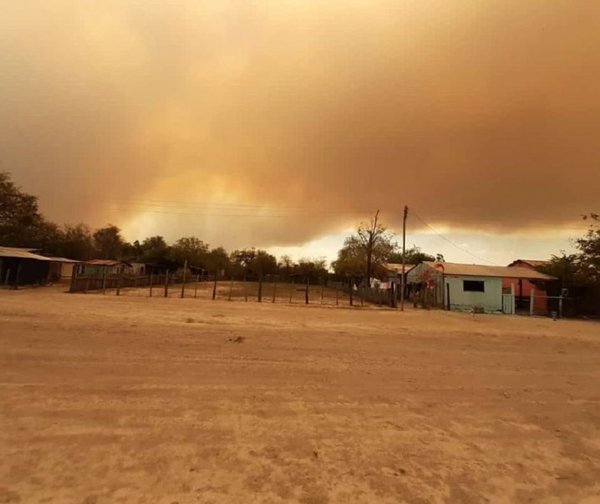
(274, 122)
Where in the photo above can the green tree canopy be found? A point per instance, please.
(312, 268)
(589, 248)
(413, 255)
(253, 262)
(192, 249)
(21, 224)
(154, 250)
(108, 242)
(217, 260)
(365, 252)
(77, 242)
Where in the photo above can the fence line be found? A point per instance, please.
(272, 288)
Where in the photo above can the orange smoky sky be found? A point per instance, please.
(276, 122)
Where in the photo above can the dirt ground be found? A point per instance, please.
(137, 400)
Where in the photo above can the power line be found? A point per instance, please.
(236, 206)
(230, 210)
(462, 249)
(244, 210)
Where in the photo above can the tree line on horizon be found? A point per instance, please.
(362, 257)
(23, 225)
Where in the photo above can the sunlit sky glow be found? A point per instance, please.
(284, 124)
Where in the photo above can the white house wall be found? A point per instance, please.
(490, 300)
(66, 270)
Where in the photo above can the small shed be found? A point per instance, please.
(21, 266)
(61, 269)
(24, 266)
(457, 286)
(101, 267)
(390, 275)
(525, 287)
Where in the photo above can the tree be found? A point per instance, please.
(77, 242)
(18, 210)
(218, 260)
(108, 242)
(589, 248)
(413, 255)
(311, 268)
(579, 273)
(192, 249)
(285, 265)
(21, 224)
(350, 260)
(366, 251)
(241, 259)
(373, 238)
(253, 263)
(263, 264)
(154, 250)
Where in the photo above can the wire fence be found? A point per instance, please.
(270, 289)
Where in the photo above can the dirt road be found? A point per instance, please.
(136, 400)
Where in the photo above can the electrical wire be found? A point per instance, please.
(413, 212)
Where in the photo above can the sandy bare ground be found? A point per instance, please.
(127, 400)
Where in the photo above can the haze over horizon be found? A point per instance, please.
(283, 124)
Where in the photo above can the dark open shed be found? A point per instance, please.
(20, 266)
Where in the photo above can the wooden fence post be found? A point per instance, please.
(196, 286)
(337, 295)
(73, 277)
(183, 279)
(351, 293)
(150, 284)
(245, 290)
(322, 288)
(18, 276)
(292, 289)
(230, 288)
(275, 289)
(167, 284)
(214, 292)
(531, 301)
(560, 305)
(118, 284)
(104, 282)
(306, 290)
(260, 280)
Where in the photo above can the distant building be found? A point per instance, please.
(23, 266)
(524, 287)
(468, 286)
(101, 267)
(390, 274)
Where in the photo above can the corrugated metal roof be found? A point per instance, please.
(534, 263)
(62, 260)
(19, 249)
(17, 253)
(397, 267)
(103, 262)
(481, 270)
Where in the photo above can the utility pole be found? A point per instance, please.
(370, 244)
(402, 281)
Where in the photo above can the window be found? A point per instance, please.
(473, 286)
